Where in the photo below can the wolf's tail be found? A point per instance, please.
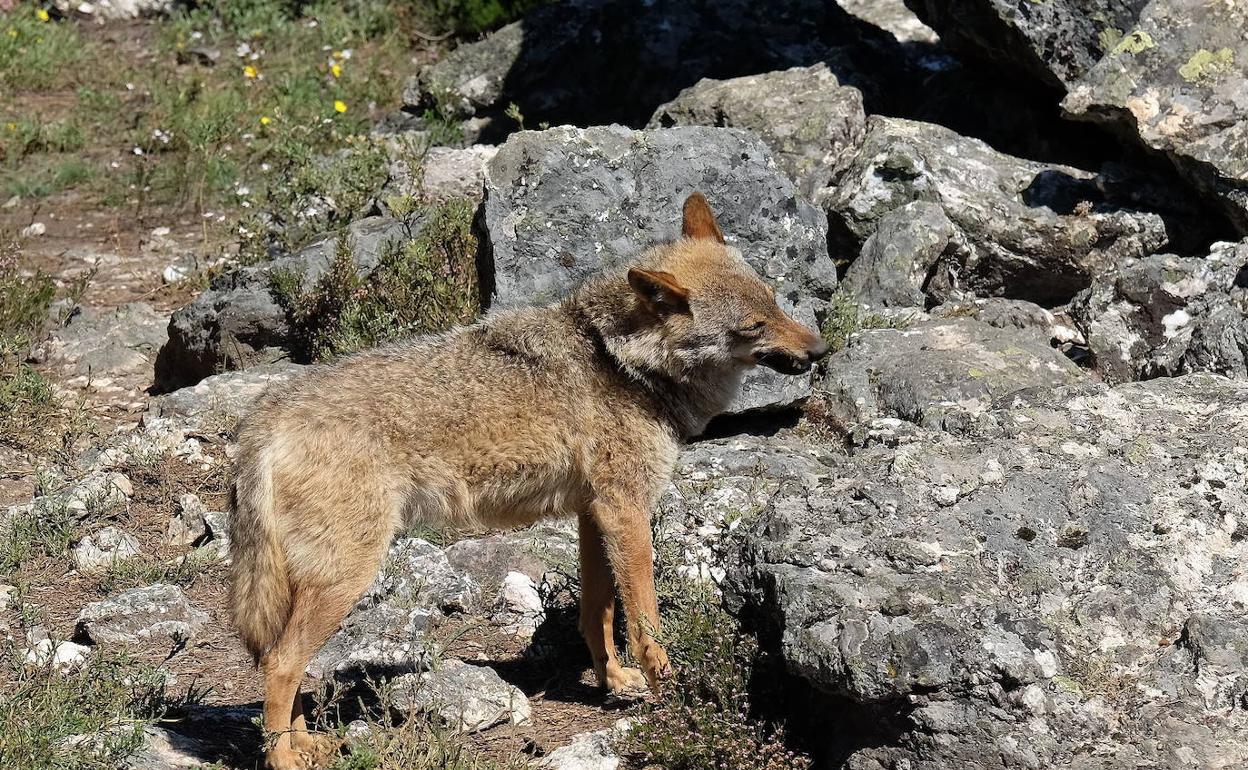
(260, 590)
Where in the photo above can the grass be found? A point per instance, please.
(109, 700)
(422, 285)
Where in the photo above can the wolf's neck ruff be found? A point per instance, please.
(687, 392)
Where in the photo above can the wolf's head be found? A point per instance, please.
(709, 309)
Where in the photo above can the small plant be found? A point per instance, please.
(423, 285)
(846, 316)
(43, 712)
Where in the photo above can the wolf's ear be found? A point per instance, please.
(700, 220)
(659, 291)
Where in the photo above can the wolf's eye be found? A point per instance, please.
(752, 330)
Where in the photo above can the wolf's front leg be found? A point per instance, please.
(598, 611)
(625, 527)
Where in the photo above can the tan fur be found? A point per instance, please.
(575, 409)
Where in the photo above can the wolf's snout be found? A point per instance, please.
(788, 362)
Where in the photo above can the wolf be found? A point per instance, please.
(576, 409)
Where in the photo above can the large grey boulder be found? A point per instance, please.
(944, 372)
(238, 322)
(215, 404)
(1167, 315)
(96, 347)
(1020, 229)
(1059, 584)
(566, 204)
(155, 614)
(810, 121)
(1177, 83)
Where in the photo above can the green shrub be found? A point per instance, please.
(705, 719)
(470, 17)
(846, 316)
(422, 285)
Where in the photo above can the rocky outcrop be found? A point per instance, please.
(97, 348)
(1055, 583)
(238, 322)
(812, 124)
(995, 225)
(1168, 75)
(1166, 315)
(1177, 83)
(565, 204)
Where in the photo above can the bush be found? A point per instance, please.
(705, 718)
(426, 284)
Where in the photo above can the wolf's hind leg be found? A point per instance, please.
(318, 611)
(598, 611)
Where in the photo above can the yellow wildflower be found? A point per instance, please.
(336, 70)
(12, 32)
(250, 72)
(11, 126)
(265, 120)
(340, 105)
(42, 13)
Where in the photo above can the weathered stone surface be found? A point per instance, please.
(468, 698)
(810, 121)
(189, 523)
(1021, 229)
(900, 263)
(564, 204)
(1167, 315)
(157, 613)
(98, 346)
(1055, 42)
(942, 372)
(115, 10)
(589, 751)
(892, 16)
(438, 173)
(238, 323)
(1059, 584)
(216, 403)
(1178, 84)
(100, 551)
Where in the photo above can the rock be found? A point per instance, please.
(163, 749)
(1021, 229)
(418, 573)
(893, 17)
(1168, 75)
(1177, 83)
(520, 604)
(155, 613)
(1049, 586)
(1055, 42)
(103, 550)
(899, 262)
(942, 372)
(439, 173)
(238, 322)
(595, 62)
(377, 638)
(1166, 315)
(95, 345)
(115, 10)
(812, 124)
(34, 230)
(531, 551)
(8, 594)
(61, 656)
(564, 204)
(468, 698)
(216, 404)
(189, 524)
(589, 751)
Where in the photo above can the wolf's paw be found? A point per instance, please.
(655, 663)
(625, 682)
(287, 759)
(316, 748)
